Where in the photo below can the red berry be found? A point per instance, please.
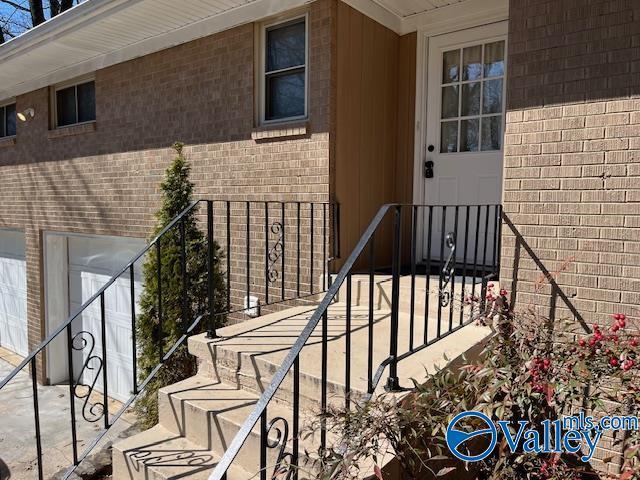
(634, 342)
(503, 292)
(613, 362)
(582, 342)
(615, 328)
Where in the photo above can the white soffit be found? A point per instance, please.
(433, 16)
(99, 33)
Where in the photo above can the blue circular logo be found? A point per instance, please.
(456, 438)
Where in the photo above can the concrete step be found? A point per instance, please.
(459, 287)
(210, 414)
(159, 454)
(247, 355)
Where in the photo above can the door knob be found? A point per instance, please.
(428, 169)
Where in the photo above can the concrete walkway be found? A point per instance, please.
(17, 431)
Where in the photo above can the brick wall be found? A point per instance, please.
(105, 180)
(572, 155)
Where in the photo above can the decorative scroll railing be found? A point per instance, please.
(452, 250)
(273, 252)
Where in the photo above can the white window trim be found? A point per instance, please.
(262, 98)
(54, 100)
(6, 103)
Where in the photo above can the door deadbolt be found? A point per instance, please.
(428, 169)
(431, 148)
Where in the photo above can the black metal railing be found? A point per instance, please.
(451, 253)
(290, 241)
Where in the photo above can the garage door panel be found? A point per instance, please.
(13, 292)
(88, 273)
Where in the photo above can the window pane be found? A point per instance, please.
(450, 66)
(449, 102)
(472, 65)
(471, 99)
(469, 135)
(285, 46)
(449, 137)
(10, 119)
(87, 102)
(66, 106)
(494, 59)
(2, 122)
(492, 133)
(492, 96)
(285, 95)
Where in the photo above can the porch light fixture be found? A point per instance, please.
(26, 114)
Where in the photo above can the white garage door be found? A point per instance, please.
(92, 262)
(13, 292)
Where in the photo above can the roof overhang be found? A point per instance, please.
(100, 33)
(432, 16)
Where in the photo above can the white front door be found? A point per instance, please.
(13, 292)
(465, 124)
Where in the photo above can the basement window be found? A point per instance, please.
(8, 120)
(284, 66)
(75, 104)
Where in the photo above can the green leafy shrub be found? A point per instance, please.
(177, 193)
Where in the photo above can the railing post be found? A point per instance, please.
(105, 378)
(134, 342)
(393, 383)
(36, 417)
(160, 312)
(211, 327)
(183, 273)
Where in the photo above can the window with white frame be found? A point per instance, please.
(284, 79)
(75, 104)
(8, 120)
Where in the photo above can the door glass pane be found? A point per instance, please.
(492, 96)
(285, 95)
(11, 120)
(66, 106)
(492, 133)
(450, 66)
(469, 135)
(87, 102)
(449, 137)
(472, 63)
(2, 121)
(471, 99)
(494, 59)
(285, 46)
(450, 101)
